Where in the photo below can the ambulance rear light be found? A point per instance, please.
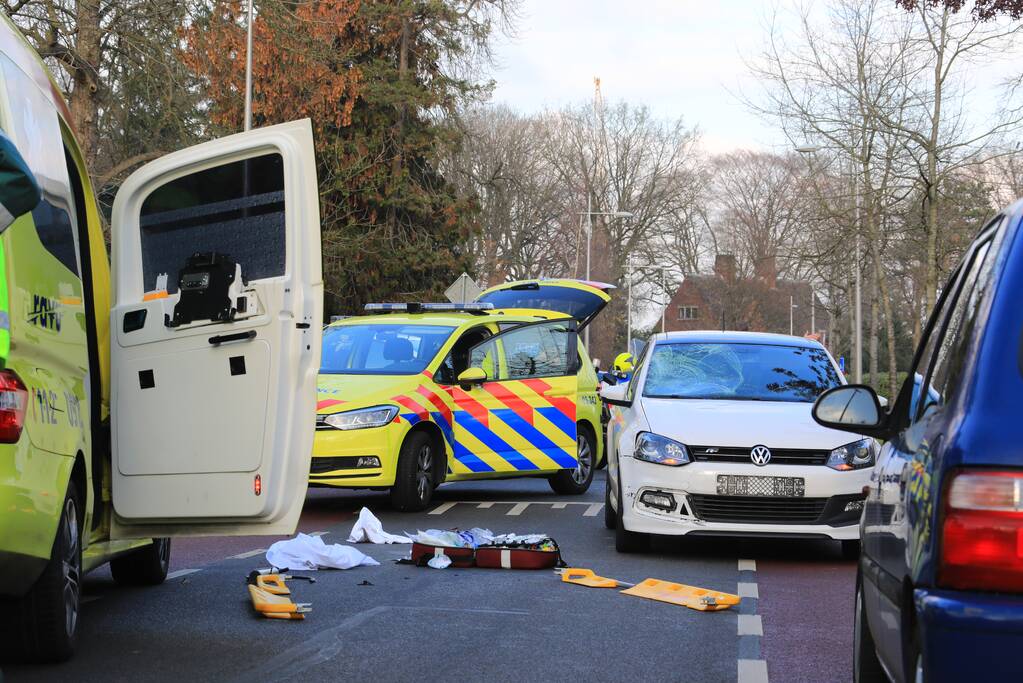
(13, 402)
(982, 532)
(431, 308)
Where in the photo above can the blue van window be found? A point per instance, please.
(946, 371)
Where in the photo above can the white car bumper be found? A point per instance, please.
(828, 508)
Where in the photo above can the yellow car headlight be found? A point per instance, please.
(363, 418)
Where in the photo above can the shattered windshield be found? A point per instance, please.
(743, 372)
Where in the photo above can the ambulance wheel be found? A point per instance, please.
(146, 566)
(576, 481)
(627, 541)
(42, 626)
(416, 476)
(610, 516)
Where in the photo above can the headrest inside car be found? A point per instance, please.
(398, 349)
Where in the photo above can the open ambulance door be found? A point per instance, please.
(216, 324)
(580, 299)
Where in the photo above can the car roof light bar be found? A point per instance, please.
(432, 308)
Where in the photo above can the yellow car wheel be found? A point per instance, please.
(576, 482)
(416, 477)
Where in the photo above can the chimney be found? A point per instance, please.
(724, 267)
(767, 271)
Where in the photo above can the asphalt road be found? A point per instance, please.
(403, 623)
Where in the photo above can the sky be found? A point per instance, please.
(679, 57)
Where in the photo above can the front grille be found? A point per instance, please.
(754, 510)
(740, 454)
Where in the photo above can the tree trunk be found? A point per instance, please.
(873, 379)
(83, 100)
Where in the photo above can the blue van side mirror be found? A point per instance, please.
(19, 191)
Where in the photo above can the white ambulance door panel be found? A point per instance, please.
(216, 323)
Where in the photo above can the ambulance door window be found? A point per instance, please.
(457, 359)
(36, 131)
(533, 351)
(235, 209)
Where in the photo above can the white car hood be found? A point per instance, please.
(774, 424)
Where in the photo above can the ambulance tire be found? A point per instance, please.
(42, 626)
(576, 482)
(146, 566)
(610, 516)
(416, 476)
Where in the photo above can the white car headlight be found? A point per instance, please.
(854, 456)
(660, 450)
(377, 416)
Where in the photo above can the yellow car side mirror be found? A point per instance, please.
(471, 376)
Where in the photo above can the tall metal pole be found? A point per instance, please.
(667, 300)
(628, 314)
(248, 73)
(791, 308)
(813, 312)
(589, 235)
(858, 337)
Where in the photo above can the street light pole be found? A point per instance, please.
(628, 314)
(248, 72)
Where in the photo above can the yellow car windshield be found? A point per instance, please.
(376, 349)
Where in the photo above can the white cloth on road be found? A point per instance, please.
(440, 562)
(310, 552)
(369, 529)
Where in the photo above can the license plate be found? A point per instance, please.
(774, 487)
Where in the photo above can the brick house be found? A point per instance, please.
(724, 300)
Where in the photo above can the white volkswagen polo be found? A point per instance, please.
(714, 436)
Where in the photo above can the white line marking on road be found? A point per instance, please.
(485, 506)
(251, 553)
(747, 565)
(182, 572)
(752, 671)
(319, 533)
(559, 506)
(442, 508)
(517, 509)
(748, 590)
(593, 510)
(750, 625)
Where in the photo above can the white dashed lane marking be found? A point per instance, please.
(750, 625)
(752, 671)
(182, 572)
(751, 666)
(519, 506)
(251, 553)
(748, 590)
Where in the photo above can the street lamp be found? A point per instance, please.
(590, 213)
(858, 305)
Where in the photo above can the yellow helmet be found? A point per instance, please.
(623, 363)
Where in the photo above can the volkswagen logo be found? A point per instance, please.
(760, 455)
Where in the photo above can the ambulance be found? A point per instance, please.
(171, 399)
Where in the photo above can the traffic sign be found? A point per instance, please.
(463, 290)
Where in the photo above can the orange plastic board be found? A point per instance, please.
(701, 599)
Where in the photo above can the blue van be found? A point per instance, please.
(939, 591)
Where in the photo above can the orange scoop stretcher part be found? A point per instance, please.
(701, 599)
(273, 583)
(277, 606)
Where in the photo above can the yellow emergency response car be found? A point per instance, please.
(420, 394)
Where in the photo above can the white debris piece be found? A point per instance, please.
(310, 552)
(368, 529)
(440, 562)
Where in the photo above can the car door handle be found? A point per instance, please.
(236, 337)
